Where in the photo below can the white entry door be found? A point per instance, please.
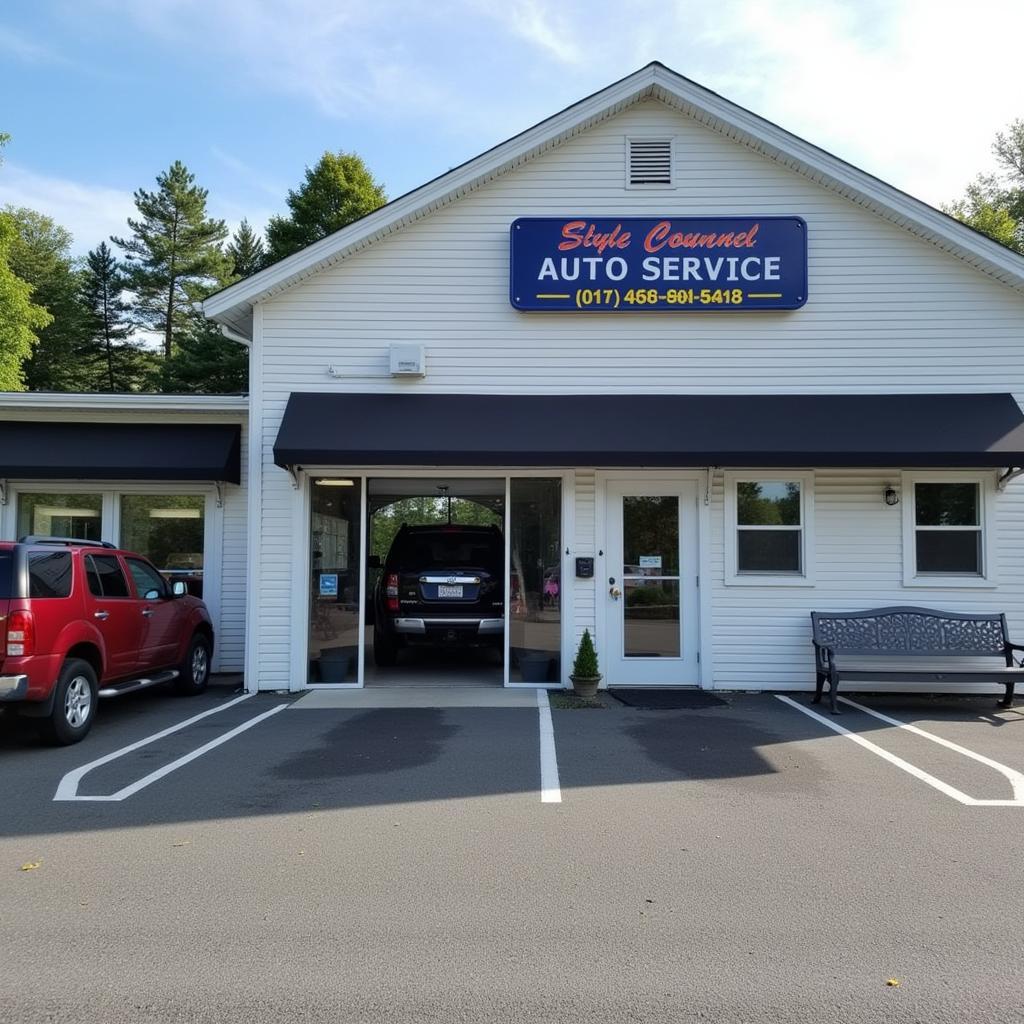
(649, 586)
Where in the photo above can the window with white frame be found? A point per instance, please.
(948, 528)
(768, 517)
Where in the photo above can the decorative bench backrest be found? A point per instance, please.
(910, 631)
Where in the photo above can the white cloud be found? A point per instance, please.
(90, 212)
(912, 91)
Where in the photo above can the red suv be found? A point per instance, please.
(81, 620)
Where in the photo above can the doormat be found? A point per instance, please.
(665, 699)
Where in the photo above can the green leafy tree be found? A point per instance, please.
(20, 317)
(994, 203)
(118, 361)
(40, 254)
(174, 255)
(337, 191)
(246, 251)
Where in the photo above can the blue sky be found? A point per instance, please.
(100, 95)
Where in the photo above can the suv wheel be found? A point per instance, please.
(74, 704)
(194, 671)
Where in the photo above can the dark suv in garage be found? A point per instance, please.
(440, 586)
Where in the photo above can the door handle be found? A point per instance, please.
(147, 612)
(615, 593)
(102, 616)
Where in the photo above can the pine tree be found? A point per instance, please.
(174, 255)
(337, 191)
(118, 362)
(40, 253)
(205, 362)
(246, 252)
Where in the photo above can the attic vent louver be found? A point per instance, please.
(649, 161)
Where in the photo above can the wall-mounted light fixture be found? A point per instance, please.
(332, 481)
(892, 496)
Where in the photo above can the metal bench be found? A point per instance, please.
(923, 633)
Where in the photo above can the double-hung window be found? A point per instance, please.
(945, 530)
(768, 517)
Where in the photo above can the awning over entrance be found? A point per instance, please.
(120, 451)
(651, 430)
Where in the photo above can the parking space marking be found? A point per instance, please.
(918, 773)
(550, 789)
(67, 790)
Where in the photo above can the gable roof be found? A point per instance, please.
(232, 307)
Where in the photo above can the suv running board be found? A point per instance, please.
(139, 684)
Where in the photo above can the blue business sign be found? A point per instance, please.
(658, 263)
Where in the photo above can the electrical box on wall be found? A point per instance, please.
(408, 361)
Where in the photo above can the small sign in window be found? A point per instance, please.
(650, 561)
(328, 584)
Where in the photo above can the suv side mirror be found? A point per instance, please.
(373, 561)
(178, 588)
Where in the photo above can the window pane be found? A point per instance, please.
(650, 535)
(768, 551)
(768, 503)
(168, 530)
(334, 600)
(946, 504)
(111, 577)
(651, 619)
(6, 570)
(147, 580)
(535, 583)
(49, 575)
(949, 551)
(60, 515)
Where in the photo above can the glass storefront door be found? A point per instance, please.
(650, 590)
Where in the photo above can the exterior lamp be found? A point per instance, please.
(892, 496)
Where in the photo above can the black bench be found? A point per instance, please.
(911, 633)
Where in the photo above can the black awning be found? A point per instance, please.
(651, 430)
(120, 451)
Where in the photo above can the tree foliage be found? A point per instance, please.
(337, 191)
(40, 253)
(117, 360)
(994, 203)
(174, 254)
(20, 317)
(246, 252)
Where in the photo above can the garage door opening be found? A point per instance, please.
(436, 580)
(435, 608)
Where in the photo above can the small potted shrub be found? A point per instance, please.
(585, 674)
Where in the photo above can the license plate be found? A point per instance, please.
(445, 591)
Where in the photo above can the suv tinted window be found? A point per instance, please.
(105, 572)
(6, 561)
(455, 549)
(49, 573)
(147, 579)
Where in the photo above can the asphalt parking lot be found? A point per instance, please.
(743, 862)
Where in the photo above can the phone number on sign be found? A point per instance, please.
(612, 298)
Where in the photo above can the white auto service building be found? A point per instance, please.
(706, 377)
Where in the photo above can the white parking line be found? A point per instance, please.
(1016, 779)
(550, 790)
(68, 787)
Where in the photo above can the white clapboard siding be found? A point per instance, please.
(230, 625)
(887, 312)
